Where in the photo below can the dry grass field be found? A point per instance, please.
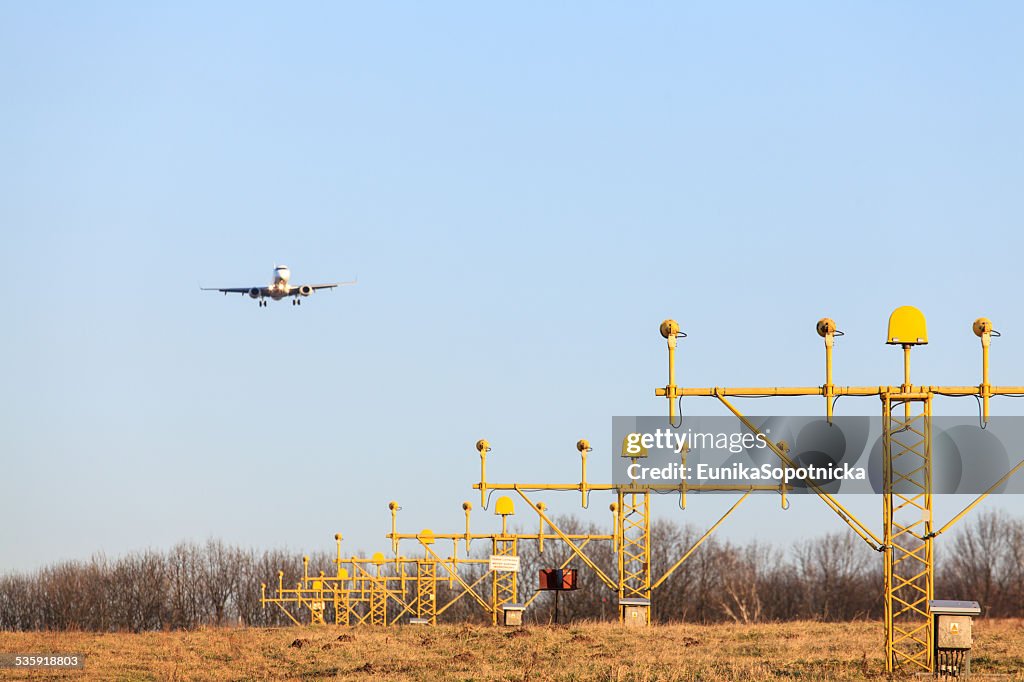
(582, 651)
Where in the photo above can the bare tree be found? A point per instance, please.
(834, 577)
(984, 564)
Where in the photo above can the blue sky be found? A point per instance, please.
(525, 191)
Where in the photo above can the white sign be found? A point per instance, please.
(503, 563)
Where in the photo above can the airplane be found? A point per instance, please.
(280, 288)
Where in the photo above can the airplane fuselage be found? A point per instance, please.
(279, 288)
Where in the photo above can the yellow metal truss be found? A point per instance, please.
(342, 607)
(504, 583)
(363, 597)
(633, 539)
(909, 566)
(426, 590)
(378, 601)
(907, 517)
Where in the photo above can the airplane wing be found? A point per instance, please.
(237, 290)
(316, 287)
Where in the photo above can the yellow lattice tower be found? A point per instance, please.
(633, 541)
(503, 583)
(907, 506)
(378, 593)
(426, 581)
(342, 603)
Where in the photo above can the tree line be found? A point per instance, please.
(832, 577)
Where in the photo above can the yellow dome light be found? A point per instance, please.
(907, 327)
(504, 506)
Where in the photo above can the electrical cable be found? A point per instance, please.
(679, 408)
(981, 418)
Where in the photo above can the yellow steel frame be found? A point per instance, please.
(504, 584)
(342, 608)
(907, 517)
(378, 601)
(632, 522)
(426, 590)
(634, 545)
(312, 593)
(907, 495)
(467, 588)
(906, 540)
(631, 538)
(362, 586)
(359, 596)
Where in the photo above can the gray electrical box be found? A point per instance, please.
(635, 612)
(512, 614)
(952, 624)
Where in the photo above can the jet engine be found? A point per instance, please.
(254, 293)
(305, 290)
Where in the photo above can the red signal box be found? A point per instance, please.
(558, 579)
